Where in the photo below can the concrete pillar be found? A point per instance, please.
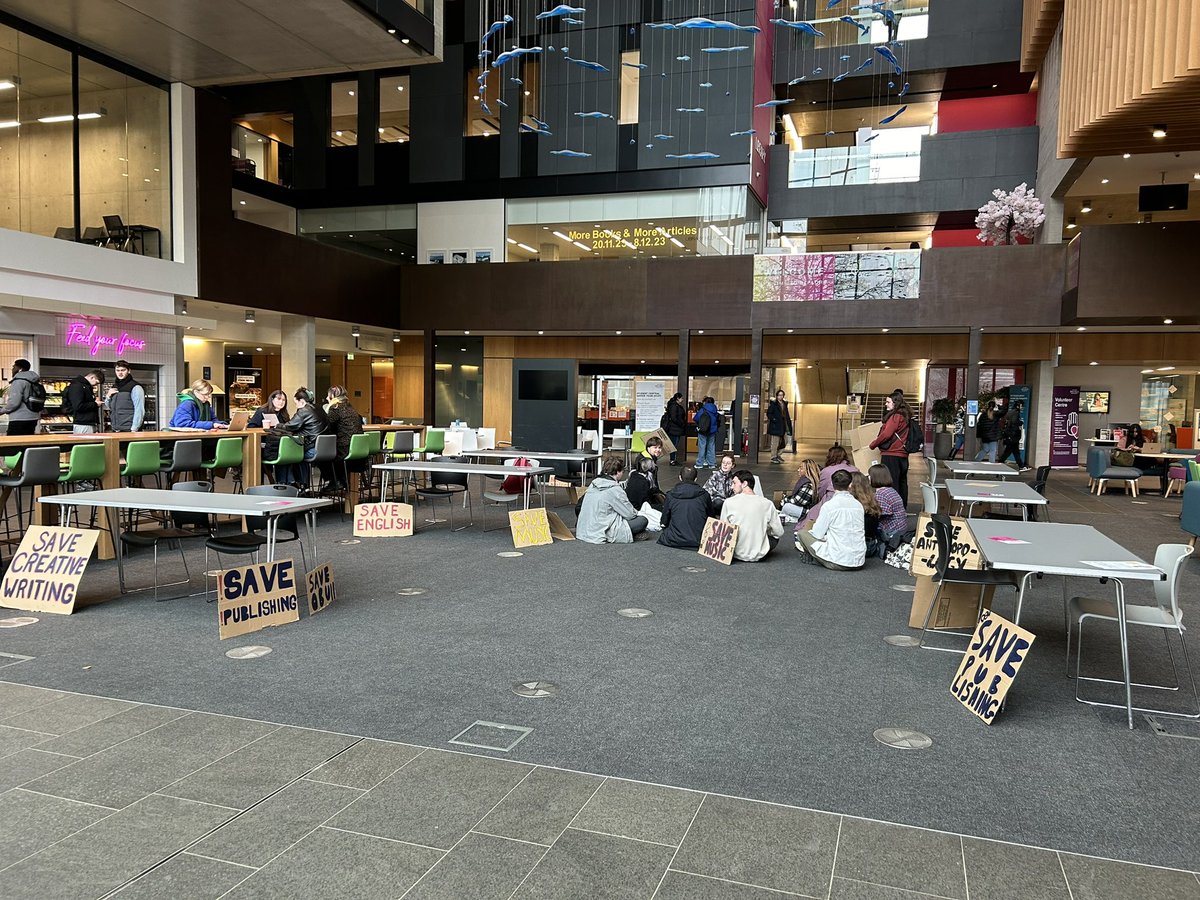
(682, 375)
(974, 351)
(1052, 228)
(298, 353)
(1040, 376)
(754, 417)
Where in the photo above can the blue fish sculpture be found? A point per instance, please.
(799, 26)
(893, 116)
(587, 64)
(703, 155)
(700, 22)
(573, 154)
(561, 10)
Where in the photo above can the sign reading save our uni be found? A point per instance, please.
(44, 573)
(321, 590)
(990, 664)
(256, 597)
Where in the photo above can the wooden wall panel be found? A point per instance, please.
(358, 384)
(408, 379)
(1040, 21)
(497, 395)
(729, 348)
(1003, 348)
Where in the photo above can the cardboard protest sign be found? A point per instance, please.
(256, 597)
(383, 520)
(993, 658)
(530, 528)
(44, 573)
(718, 541)
(558, 528)
(964, 551)
(668, 444)
(320, 588)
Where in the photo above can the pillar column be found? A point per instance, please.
(754, 417)
(298, 353)
(971, 388)
(683, 374)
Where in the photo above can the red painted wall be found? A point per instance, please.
(987, 113)
(956, 237)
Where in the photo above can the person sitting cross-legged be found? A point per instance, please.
(605, 514)
(838, 538)
(685, 512)
(759, 527)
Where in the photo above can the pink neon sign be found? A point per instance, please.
(89, 336)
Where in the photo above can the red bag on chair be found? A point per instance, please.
(515, 484)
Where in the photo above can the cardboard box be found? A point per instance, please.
(864, 459)
(860, 438)
(957, 605)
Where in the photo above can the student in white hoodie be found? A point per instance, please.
(837, 539)
(759, 528)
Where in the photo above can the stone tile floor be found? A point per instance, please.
(107, 798)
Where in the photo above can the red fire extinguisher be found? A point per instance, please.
(745, 442)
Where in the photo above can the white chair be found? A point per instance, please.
(502, 499)
(485, 438)
(452, 443)
(929, 496)
(1167, 615)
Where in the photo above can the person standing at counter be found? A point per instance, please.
(126, 401)
(81, 403)
(24, 411)
(195, 409)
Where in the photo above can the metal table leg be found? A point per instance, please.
(1122, 627)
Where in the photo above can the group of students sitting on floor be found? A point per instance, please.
(842, 516)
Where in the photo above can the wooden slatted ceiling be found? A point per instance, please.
(1040, 21)
(1128, 67)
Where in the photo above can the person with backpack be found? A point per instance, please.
(708, 423)
(987, 429)
(894, 438)
(81, 404)
(779, 426)
(25, 400)
(1010, 434)
(674, 423)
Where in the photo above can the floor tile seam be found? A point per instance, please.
(16, 715)
(378, 837)
(348, 787)
(111, 813)
(46, 734)
(228, 862)
(962, 849)
(837, 845)
(748, 884)
(27, 790)
(623, 837)
(126, 707)
(1062, 868)
(193, 800)
(219, 759)
(55, 753)
(124, 741)
(503, 837)
(922, 894)
(679, 846)
(532, 869)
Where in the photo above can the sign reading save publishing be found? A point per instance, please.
(257, 597)
(44, 573)
(992, 660)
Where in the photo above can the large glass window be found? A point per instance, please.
(385, 232)
(393, 110)
(262, 147)
(122, 155)
(343, 114)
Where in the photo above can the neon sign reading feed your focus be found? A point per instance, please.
(89, 336)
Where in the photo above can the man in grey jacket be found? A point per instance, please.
(607, 516)
(21, 419)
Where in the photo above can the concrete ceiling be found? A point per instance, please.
(225, 41)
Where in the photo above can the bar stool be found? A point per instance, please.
(375, 440)
(86, 463)
(228, 456)
(324, 453)
(142, 458)
(360, 451)
(290, 453)
(435, 442)
(186, 457)
(39, 466)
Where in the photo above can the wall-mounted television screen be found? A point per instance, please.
(542, 384)
(1156, 197)
(1094, 402)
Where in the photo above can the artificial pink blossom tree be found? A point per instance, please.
(1010, 215)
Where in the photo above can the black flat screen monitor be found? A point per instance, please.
(542, 384)
(1158, 197)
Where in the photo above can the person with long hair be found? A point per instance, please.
(836, 460)
(893, 520)
(804, 492)
(987, 429)
(303, 427)
(276, 406)
(893, 435)
(861, 490)
(343, 420)
(720, 482)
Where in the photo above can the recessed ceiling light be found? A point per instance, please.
(391, 31)
(1081, 328)
(885, 330)
(716, 360)
(466, 332)
(242, 202)
(404, 40)
(701, 331)
(240, 353)
(618, 332)
(337, 134)
(1160, 131)
(1105, 180)
(641, 361)
(1165, 369)
(258, 349)
(1087, 206)
(1147, 371)
(351, 93)
(1168, 321)
(994, 86)
(1093, 363)
(790, 330)
(883, 362)
(1124, 156)
(1071, 222)
(541, 332)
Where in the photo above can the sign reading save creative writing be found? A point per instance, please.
(44, 573)
(718, 541)
(257, 597)
(992, 660)
(321, 591)
(383, 520)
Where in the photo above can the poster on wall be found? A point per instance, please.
(245, 389)
(1064, 427)
(1023, 394)
(648, 397)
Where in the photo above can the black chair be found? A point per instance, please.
(943, 575)
(1042, 474)
(65, 234)
(324, 456)
(1039, 513)
(184, 525)
(447, 486)
(186, 457)
(39, 466)
(120, 235)
(249, 543)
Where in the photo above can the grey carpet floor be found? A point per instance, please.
(764, 681)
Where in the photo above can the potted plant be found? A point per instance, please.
(943, 414)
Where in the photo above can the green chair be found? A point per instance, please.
(11, 462)
(637, 443)
(360, 451)
(228, 456)
(1193, 470)
(86, 463)
(141, 459)
(435, 442)
(291, 453)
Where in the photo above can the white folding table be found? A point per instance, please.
(1013, 493)
(269, 508)
(460, 468)
(969, 467)
(1073, 551)
(583, 456)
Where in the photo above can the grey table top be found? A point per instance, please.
(1076, 550)
(189, 501)
(513, 453)
(458, 468)
(970, 467)
(999, 491)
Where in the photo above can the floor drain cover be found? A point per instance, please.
(17, 621)
(634, 613)
(902, 640)
(693, 569)
(535, 689)
(905, 588)
(251, 652)
(349, 541)
(510, 554)
(491, 736)
(410, 592)
(903, 739)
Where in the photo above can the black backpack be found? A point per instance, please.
(704, 423)
(35, 400)
(915, 442)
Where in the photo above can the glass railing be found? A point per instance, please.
(261, 156)
(856, 275)
(838, 166)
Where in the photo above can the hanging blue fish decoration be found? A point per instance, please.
(587, 64)
(683, 59)
(890, 57)
(502, 103)
(842, 77)
(889, 15)
(844, 58)
(634, 65)
(573, 154)
(871, 138)
(797, 80)
(516, 53)
(893, 116)
(483, 105)
(594, 115)
(664, 137)
(850, 20)
(866, 63)
(561, 10)
(891, 84)
(749, 132)
(706, 84)
(903, 90)
(723, 49)
(830, 133)
(713, 24)
(832, 4)
(539, 122)
(544, 132)
(515, 80)
(818, 70)
(691, 109)
(772, 103)
(496, 28)
(483, 53)
(703, 155)
(573, 21)
(799, 26)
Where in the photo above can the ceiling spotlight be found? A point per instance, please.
(790, 330)
(701, 331)
(404, 40)
(1093, 363)
(1168, 321)
(1081, 328)
(258, 349)
(466, 332)
(241, 353)
(1105, 180)
(1160, 131)
(242, 202)
(249, 317)
(395, 337)
(1087, 206)
(1124, 156)
(355, 331)
(391, 31)
(642, 361)
(1071, 222)
(541, 332)
(351, 93)
(618, 332)
(885, 330)
(183, 307)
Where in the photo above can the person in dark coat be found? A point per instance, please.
(686, 510)
(80, 400)
(641, 486)
(343, 420)
(676, 427)
(779, 425)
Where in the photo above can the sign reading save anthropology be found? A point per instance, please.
(383, 520)
(718, 541)
(964, 552)
(44, 573)
(257, 597)
(536, 528)
(321, 591)
(992, 661)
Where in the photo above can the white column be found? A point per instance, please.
(298, 351)
(1040, 376)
